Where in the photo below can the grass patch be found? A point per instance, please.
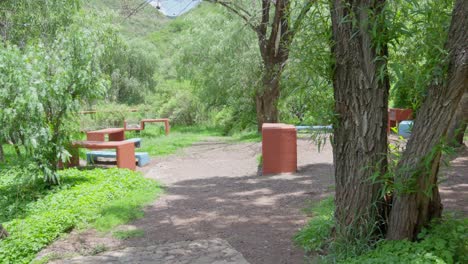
(156, 143)
(247, 136)
(314, 236)
(128, 234)
(122, 211)
(35, 214)
(445, 241)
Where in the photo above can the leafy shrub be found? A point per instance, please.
(445, 241)
(35, 217)
(317, 231)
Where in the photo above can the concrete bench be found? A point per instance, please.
(125, 152)
(136, 141)
(404, 128)
(91, 156)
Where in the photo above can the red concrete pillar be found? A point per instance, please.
(279, 148)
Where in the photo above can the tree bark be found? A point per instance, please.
(2, 153)
(419, 201)
(3, 232)
(267, 99)
(275, 33)
(456, 130)
(361, 102)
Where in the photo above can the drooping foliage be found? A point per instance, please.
(43, 86)
(419, 30)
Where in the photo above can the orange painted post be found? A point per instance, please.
(126, 156)
(166, 126)
(279, 148)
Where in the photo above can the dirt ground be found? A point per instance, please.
(213, 191)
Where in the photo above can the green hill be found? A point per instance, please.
(133, 18)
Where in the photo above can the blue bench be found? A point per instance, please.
(404, 128)
(314, 128)
(91, 156)
(137, 141)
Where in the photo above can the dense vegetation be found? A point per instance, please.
(224, 70)
(35, 215)
(442, 242)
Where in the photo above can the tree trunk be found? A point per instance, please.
(275, 32)
(2, 153)
(456, 130)
(361, 102)
(419, 201)
(267, 99)
(3, 232)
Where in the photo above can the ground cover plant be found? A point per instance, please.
(35, 214)
(444, 241)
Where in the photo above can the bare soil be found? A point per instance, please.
(213, 190)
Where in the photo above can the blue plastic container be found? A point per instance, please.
(404, 128)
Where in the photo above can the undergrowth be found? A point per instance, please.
(35, 214)
(445, 241)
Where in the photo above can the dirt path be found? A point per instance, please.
(213, 191)
(213, 194)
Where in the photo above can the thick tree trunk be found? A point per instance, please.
(456, 130)
(267, 99)
(419, 201)
(361, 102)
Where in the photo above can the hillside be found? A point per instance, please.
(133, 19)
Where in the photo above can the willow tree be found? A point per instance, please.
(361, 89)
(275, 24)
(360, 140)
(419, 202)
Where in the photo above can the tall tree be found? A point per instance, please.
(361, 89)
(415, 205)
(275, 29)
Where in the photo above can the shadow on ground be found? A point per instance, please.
(454, 186)
(257, 215)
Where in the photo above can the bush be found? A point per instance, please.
(317, 231)
(35, 214)
(445, 241)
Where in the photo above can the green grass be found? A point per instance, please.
(445, 241)
(128, 234)
(157, 144)
(314, 235)
(35, 214)
(247, 136)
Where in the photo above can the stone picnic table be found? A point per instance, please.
(114, 134)
(167, 126)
